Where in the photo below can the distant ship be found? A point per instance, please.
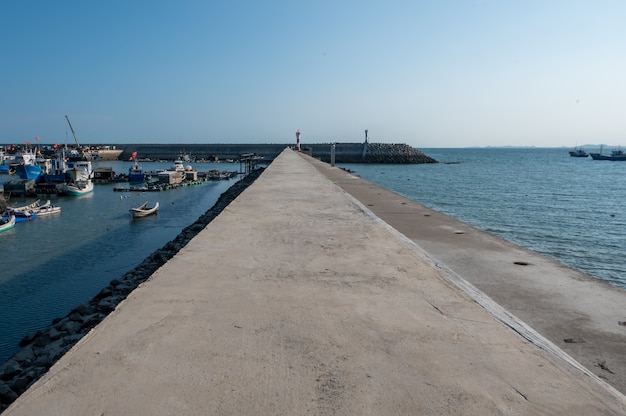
(616, 155)
(106, 154)
(578, 152)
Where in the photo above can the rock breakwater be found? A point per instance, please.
(394, 154)
(398, 153)
(39, 351)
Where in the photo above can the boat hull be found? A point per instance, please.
(136, 177)
(20, 216)
(48, 210)
(28, 171)
(615, 158)
(144, 211)
(7, 224)
(78, 188)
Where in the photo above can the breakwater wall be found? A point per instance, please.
(344, 152)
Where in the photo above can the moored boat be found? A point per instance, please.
(46, 209)
(77, 188)
(7, 224)
(25, 165)
(5, 161)
(144, 210)
(58, 167)
(19, 216)
(135, 172)
(52, 209)
(28, 207)
(79, 172)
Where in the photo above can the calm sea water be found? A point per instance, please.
(51, 264)
(570, 209)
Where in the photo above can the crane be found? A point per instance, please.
(73, 132)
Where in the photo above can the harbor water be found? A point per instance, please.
(570, 209)
(53, 263)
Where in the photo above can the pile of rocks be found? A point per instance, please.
(39, 351)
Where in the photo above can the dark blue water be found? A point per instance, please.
(54, 263)
(570, 209)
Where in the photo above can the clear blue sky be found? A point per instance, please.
(428, 73)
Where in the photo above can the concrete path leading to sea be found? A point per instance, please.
(299, 299)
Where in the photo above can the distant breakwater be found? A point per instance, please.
(343, 152)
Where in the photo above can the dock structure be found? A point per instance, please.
(299, 299)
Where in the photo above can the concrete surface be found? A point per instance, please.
(298, 300)
(580, 314)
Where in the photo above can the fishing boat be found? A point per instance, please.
(616, 155)
(7, 224)
(79, 172)
(144, 210)
(578, 152)
(5, 160)
(58, 168)
(25, 165)
(135, 172)
(77, 188)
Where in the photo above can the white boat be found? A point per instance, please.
(28, 207)
(79, 172)
(46, 209)
(79, 187)
(144, 210)
(7, 224)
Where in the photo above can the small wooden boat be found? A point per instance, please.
(47, 209)
(7, 224)
(28, 207)
(144, 210)
(19, 216)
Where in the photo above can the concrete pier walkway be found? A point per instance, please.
(297, 300)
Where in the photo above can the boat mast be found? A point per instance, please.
(73, 133)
